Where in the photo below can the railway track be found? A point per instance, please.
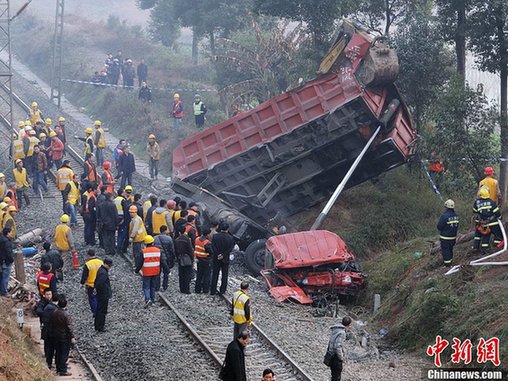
(262, 352)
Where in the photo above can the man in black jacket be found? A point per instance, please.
(107, 216)
(222, 245)
(101, 197)
(127, 167)
(165, 243)
(53, 256)
(103, 290)
(6, 260)
(61, 335)
(49, 349)
(185, 256)
(234, 363)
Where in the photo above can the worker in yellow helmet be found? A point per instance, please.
(64, 240)
(487, 215)
(100, 142)
(72, 199)
(88, 139)
(152, 149)
(47, 127)
(35, 114)
(9, 221)
(137, 231)
(3, 186)
(22, 184)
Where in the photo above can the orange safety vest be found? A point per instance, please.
(43, 281)
(109, 179)
(151, 261)
(189, 227)
(437, 166)
(199, 249)
(64, 176)
(91, 195)
(14, 200)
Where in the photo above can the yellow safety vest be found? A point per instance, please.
(158, 220)
(146, 205)
(141, 233)
(20, 178)
(3, 188)
(19, 152)
(239, 300)
(73, 196)
(33, 142)
(2, 215)
(88, 150)
(35, 116)
(64, 176)
(197, 108)
(61, 241)
(7, 216)
(118, 203)
(93, 266)
(102, 139)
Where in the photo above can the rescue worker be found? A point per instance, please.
(160, 217)
(203, 255)
(222, 245)
(107, 177)
(89, 213)
(128, 194)
(149, 213)
(72, 199)
(9, 222)
(180, 222)
(147, 205)
(10, 196)
(46, 129)
(101, 197)
(88, 139)
(64, 241)
(122, 221)
(487, 216)
(56, 150)
(3, 209)
(18, 148)
(88, 276)
(21, 179)
(100, 142)
(54, 258)
(185, 256)
(240, 310)
(171, 205)
(490, 183)
(102, 287)
(35, 113)
(182, 206)
(234, 363)
(177, 111)
(107, 218)
(40, 170)
(152, 149)
(64, 176)
(29, 155)
(3, 186)
(137, 231)
(6, 259)
(335, 349)
(137, 204)
(165, 243)
(199, 111)
(46, 279)
(91, 170)
(448, 226)
(190, 229)
(150, 262)
(61, 128)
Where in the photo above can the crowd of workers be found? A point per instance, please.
(487, 217)
(117, 66)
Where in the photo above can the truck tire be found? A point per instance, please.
(255, 256)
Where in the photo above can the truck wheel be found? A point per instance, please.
(255, 256)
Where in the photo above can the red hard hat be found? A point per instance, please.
(488, 170)
(106, 165)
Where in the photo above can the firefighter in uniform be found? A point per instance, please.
(490, 183)
(203, 254)
(137, 231)
(240, 310)
(88, 276)
(100, 142)
(448, 226)
(149, 261)
(63, 238)
(21, 179)
(107, 177)
(46, 279)
(487, 221)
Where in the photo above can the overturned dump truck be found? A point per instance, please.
(292, 151)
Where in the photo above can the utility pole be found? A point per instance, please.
(56, 71)
(5, 62)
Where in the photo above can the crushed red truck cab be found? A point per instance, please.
(301, 265)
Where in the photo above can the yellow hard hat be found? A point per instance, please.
(88, 130)
(1, 175)
(65, 218)
(31, 132)
(148, 239)
(52, 134)
(12, 208)
(151, 136)
(176, 95)
(133, 209)
(7, 199)
(42, 135)
(3, 205)
(34, 104)
(483, 193)
(21, 124)
(28, 124)
(18, 161)
(128, 188)
(61, 119)
(49, 121)
(97, 123)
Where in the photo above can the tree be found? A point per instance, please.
(319, 16)
(461, 131)
(424, 62)
(164, 26)
(489, 43)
